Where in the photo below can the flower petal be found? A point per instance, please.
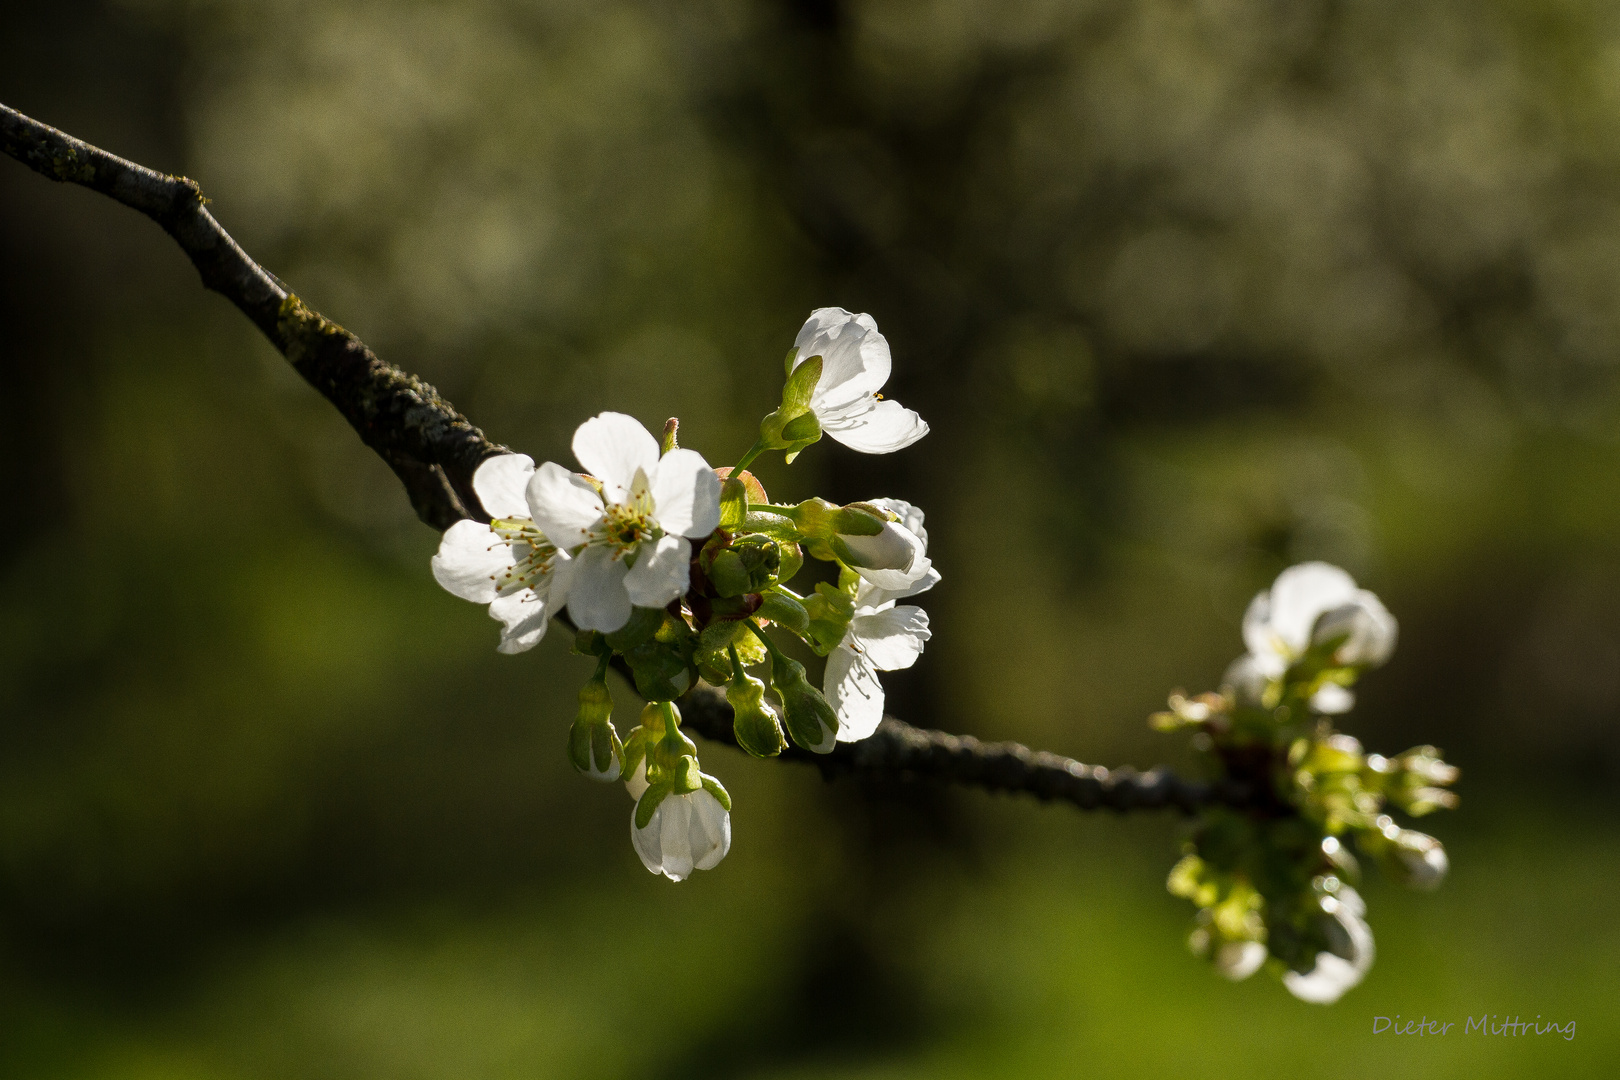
(1300, 594)
(648, 842)
(897, 581)
(500, 483)
(686, 494)
(893, 548)
(524, 616)
(910, 516)
(854, 356)
(1326, 982)
(596, 596)
(675, 836)
(710, 831)
(612, 446)
(870, 599)
(891, 639)
(1333, 700)
(874, 427)
(563, 505)
(636, 784)
(662, 572)
(469, 559)
(851, 687)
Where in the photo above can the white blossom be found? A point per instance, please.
(1237, 960)
(1313, 603)
(508, 564)
(686, 832)
(1309, 604)
(1333, 974)
(882, 635)
(855, 365)
(628, 531)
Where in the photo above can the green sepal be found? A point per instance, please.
(648, 803)
(792, 560)
(776, 526)
(802, 430)
(733, 504)
(589, 643)
(787, 364)
(592, 748)
(715, 788)
(830, 611)
(799, 388)
(685, 777)
(783, 608)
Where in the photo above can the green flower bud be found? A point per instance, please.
(785, 609)
(747, 565)
(810, 720)
(755, 724)
(593, 744)
(1406, 856)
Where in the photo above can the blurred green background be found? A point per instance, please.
(1189, 290)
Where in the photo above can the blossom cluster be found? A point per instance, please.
(676, 569)
(1274, 881)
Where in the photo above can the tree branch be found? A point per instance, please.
(431, 447)
(434, 451)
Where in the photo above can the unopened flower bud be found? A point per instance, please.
(811, 722)
(757, 729)
(893, 547)
(1409, 857)
(785, 609)
(593, 744)
(682, 824)
(746, 565)
(1363, 629)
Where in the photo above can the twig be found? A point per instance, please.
(434, 450)
(431, 447)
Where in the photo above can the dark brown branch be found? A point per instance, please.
(899, 751)
(431, 447)
(434, 450)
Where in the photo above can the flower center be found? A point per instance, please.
(624, 525)
(531, 551)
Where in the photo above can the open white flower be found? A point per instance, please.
(1310, 604)
(882, 636)
(629, 535)
(855, 365)
(1334, 974)
(1313, 603)
(508, 564)
(686, 832)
